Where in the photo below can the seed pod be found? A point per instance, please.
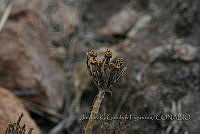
(92, 53)
(108, 54)
(120, 61)
(93, 62)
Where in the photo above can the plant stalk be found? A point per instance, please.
(94, 112)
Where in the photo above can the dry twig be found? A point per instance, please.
(5, 16)
(15, 128)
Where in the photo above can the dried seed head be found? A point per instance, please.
(120, 61)
(103, 71)
(16, 128)
(111, 65)
(117, 66)
(114, 66)
(93, 62)
(92, 53)
(108, 54)
(99, 62)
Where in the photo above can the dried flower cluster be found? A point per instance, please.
(104, 72)
(15, 128)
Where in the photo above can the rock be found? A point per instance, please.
(24, 61)
(23, 5)
(181, 51)
(185, 52)
(120, 23)
(59, 19)
(10, 109)
(158, 51)
(15, 66)
(142, 22)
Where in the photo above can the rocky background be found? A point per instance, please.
(43, 74)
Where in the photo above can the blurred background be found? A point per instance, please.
(43, 45)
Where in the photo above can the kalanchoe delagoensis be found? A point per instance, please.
(104, 72)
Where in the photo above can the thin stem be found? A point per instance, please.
(94, 112)
(5, 15)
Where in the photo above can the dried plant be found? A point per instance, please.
(104, 73)
(15, 128)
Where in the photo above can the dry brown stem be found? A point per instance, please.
(94, 112)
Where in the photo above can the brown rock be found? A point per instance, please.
(10, 109)
(17, 71)
(120, 23)
(25, 63)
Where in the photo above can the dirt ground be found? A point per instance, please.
(159, 41)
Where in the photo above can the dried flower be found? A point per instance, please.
(120, 61)
(93, 62)
(104, 72)
(92, 54)
(108, 54)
